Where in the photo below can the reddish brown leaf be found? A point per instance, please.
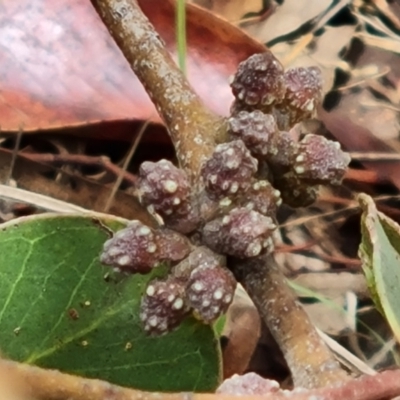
(61, 68)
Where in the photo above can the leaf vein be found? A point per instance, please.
(68, 305)
(16, 282)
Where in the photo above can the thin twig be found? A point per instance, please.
(14, 155)
(128, 159)
(363, 176)
(360, 156)
(41, 384)
(325, 257)
(81, 160)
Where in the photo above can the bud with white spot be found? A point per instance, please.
(209, 291)
(163, 306)
(242, 233)
(166, 189)
(320, 161)
(255, 128)
(303, 95)
(263, 198)
(281, 149)
(258, 82)
(200, 257)
(229, 170)
(138, 248)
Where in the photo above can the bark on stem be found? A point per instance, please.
(311, 363)
(191, 125)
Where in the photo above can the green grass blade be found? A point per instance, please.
(181, 33)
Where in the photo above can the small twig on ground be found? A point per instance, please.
(82, 160)
(41, 384)
(355, 262)
(363, 176)
(362, 156)
(127, 160)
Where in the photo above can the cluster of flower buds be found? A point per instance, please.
(231, 210)
(261, 83)
(267, 106)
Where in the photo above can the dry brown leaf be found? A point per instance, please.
(287, 18)
(384, 43)
(242, 330)
(366, 110)
(333, 284)
(387, 11)
(330, 319)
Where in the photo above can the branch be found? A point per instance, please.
(191, 125)
(309, 359)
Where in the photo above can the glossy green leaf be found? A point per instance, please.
(380, 255)
(60, 308)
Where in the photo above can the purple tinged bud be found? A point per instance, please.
(281, 150)
(138, 248)
(303, 94)
(200, 257)
(164, 187)
(263, 198)
(163, 306)
(303, 88)
(320, 161)
(210, 290)
(242, 233)
(259, 81)
(249, 384)
(229, 170)
(255, 129)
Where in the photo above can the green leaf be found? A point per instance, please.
(380, 255)
(60, 308)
